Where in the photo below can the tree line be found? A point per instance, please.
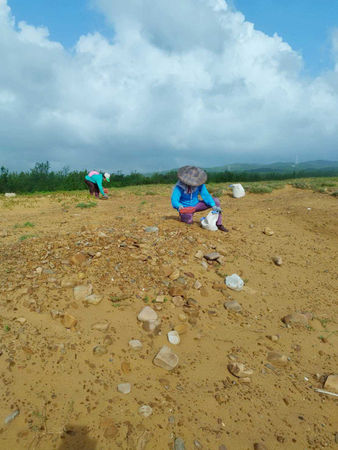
(42, 179)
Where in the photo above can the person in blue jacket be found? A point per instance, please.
(191, 184)
(94, 182)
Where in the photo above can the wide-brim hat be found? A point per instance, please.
(192, 176)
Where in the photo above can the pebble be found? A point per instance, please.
(145, 410)
(151, 229)
(259, 446)
(239, 370)
(100, 350)
(78, 259)
(38, 270)
(100, 326)
(204, 264)
(331, 383)
(12, 416)
(68, 320)
(82, 291)
(277, 260)
(67, 283)
(178, 301)
(197, 284)
(152, 325)
(21, 320)
(166, 358)
(124, 388)
(160, 299)
(174, 337)
(179, 444)
(174, 275)
(296, 318)
(277, 359)
(268, 231)
(93, 299)
(273, 338)
(147, 314)
(183, 317)
(199, 254)
(135, 344)
(197, 444)
(233, 306)
(213, 256)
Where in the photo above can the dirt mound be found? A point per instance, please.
(77, 365)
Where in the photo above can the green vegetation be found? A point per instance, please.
(26, 236)
(83, 205)
(25, 225)
(42, 179)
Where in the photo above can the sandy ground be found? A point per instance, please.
(67, 395)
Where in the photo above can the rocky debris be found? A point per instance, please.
(93, 299)
(174, 337)
(99, 350)
(199, 254)
(166, 358)
(197, 284)
(239, 370)
(233, 306)
(277, 359)
(145, 410)
(12, 416)
(151, 229)
(78, 259)
(331, 383)
(82, 291)
(124, 388)
(268, 231)
(69, 321)
(135, 344)
(179, 444)
(213, 256)
(277, 260)
(297, 318)
(178, 301)
(174, 275)
(234, 282)
(273, 337)
(147, 314)
(100, 326)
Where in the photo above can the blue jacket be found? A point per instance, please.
(96, 179)
(182, 198)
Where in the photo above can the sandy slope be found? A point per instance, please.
(67, 396)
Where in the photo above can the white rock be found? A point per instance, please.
(21, 320)
(234, 282)
(82, 291)
(145, 411)
(10, 194)
(38, 270)
(135, 344)
(100, 326)
(124, 388)
(197, 285)
(93, 299)
(199, 254)
(166, 358)
(147, 314)
(174, 337)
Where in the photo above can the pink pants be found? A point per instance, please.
(201, 206)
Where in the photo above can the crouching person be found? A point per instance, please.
(94, 182)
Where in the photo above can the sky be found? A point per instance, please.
(144, 85)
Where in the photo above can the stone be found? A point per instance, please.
(174, 337)
(151, 229)
(277, 260)
(124, 388)
(55, 313)
(213, 256)
(82, 291)
(277, 359)
(100, 350)
(239, 370)
(145, 410)
(78, 259)
(38, 270)
(68, 320)
(233, 306)
(135, 344)
(295, 318)
(152, 326)
(166, 270)
(331, 383)
(259, 446)
(147, 314)
(21, 320)
(160, 299)
(183, 317)
(93, 299)
(197, 444)
(166, 358)
(179, 444)
(199, 254)
(174, 275)
(100, 326)
(197, 284)
(178, 301)
(108, 340)
(68, 282)
(268, 231)
(274, 337)
(204, 264)
(177, 291)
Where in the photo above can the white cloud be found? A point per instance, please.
(185, 81)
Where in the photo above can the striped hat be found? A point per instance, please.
(192, 176)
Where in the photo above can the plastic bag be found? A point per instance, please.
(237, 190)
(234, 282)
(209, 222)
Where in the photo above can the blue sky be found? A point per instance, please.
(151, 84)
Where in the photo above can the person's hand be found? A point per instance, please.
(105, 197)
(217, 209)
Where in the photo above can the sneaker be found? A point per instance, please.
(222, 228)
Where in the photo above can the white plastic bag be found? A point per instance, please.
(237, 190)
(234, 282)
(209, 222)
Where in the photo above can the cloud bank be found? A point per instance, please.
(185, 81)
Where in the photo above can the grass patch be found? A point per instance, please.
(25, 225)
(260, 189)
(26, 236)
(84, 205)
